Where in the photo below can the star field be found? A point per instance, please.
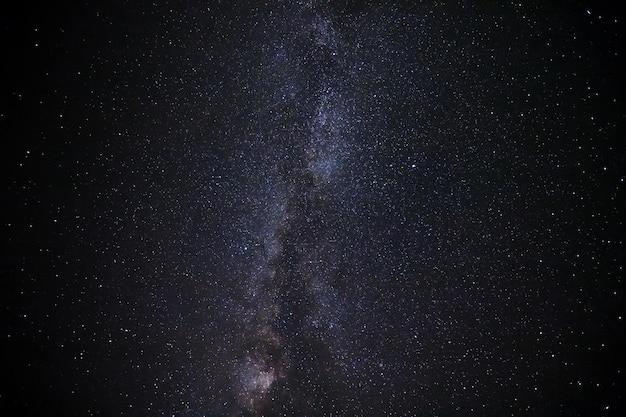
(312, 208)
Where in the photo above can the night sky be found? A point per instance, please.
(312, 208)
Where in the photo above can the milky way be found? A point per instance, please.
(312, 208)
(295, 228)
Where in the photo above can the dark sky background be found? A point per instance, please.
(312, 208)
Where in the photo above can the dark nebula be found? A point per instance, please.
(312, 208)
